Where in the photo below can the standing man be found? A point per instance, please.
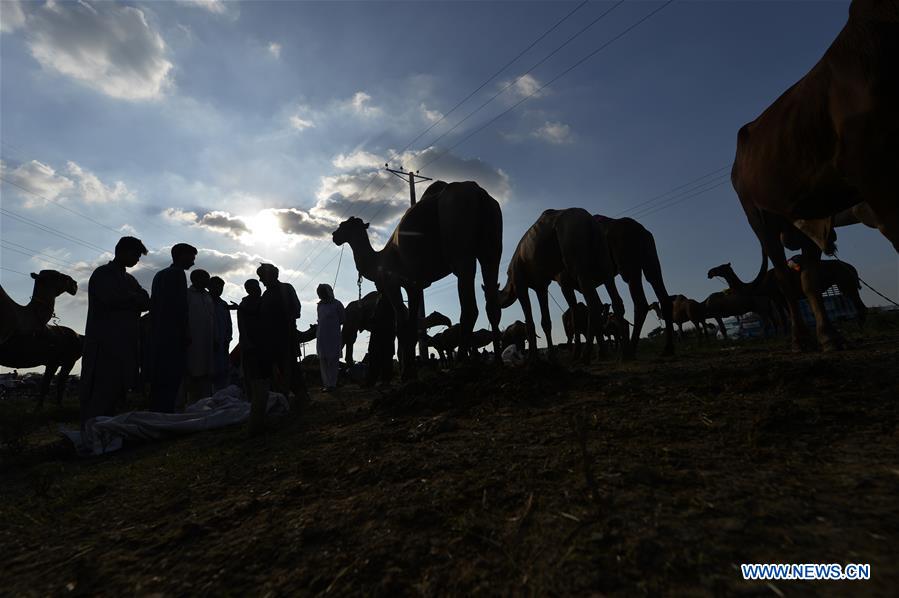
(200, 353)
(169, 332)
(111, 357)
(222, 333)
(280, 310)
(328, 340)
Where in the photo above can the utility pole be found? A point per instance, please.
(414, 177)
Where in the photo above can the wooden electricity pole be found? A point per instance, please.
(414, 177)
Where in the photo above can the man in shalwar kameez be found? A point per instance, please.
(111, 356)
(223, 331)
(169, 333)
(200, 353)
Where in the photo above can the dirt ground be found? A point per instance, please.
(654, 477)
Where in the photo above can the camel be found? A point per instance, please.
(358, 316)
(825, 145)
(435, 318)
(516, 334)
(723, 305)
(55, 347)
(446, 342)
(481, 338)
(30, 318)
(576, 325)
(454, 227)
(567, 246)
(832, 272)
(634, 256)
(684, 309)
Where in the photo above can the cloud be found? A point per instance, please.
(217, 7)
(93, 190)
(275, 49)
(431, 116)
(11, 16)
(299, 123)
(109, 47)
(40, 179)
(216, 221)
(356, 160)
(77, 183)
(294, 221)
(554, 132)
(525, 86)
(360, 104)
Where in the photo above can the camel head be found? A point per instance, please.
(350, 230)
(53, 283)
(435, 318)
(720, 271)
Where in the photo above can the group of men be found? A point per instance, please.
(183, 348)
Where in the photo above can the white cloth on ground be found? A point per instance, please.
(225, 408)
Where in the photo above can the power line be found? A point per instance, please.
(504, 67)
(679, 199)
(52, 260)
(548, 83)
(14, 271)
(51, 230)
(312, 257)
(60, 204)
(661, 195)
(526, 73)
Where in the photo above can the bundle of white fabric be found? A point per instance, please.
(225, 408)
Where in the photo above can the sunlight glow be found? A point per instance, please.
(264, 229)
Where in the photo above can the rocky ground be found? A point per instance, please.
(658, 476)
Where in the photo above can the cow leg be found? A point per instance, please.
(545, 321)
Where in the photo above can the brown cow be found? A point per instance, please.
(825, 145)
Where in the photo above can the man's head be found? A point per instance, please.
(183, 255)
(252, 288)
(200, 279)
(267, 273)
(216, 286)
(325, 292)
(128, 251)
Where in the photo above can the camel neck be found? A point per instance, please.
(42, 307)
(365, 257)
(733, 281)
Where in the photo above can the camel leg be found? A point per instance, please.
(594, 317)
(721, 326)
(469, 308)
(524, 299)
(618, 310)
(861, 310)
(828, 337)
(571, 300)
(45, 384)
(641, 308)
(680, 331)
(490, 278)
(545, 321)
(62, 380)
(349, 340)
(404, 331)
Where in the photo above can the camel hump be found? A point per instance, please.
(435, 188)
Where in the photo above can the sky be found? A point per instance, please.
(251, 129)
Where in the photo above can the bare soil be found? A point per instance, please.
(654, 477)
